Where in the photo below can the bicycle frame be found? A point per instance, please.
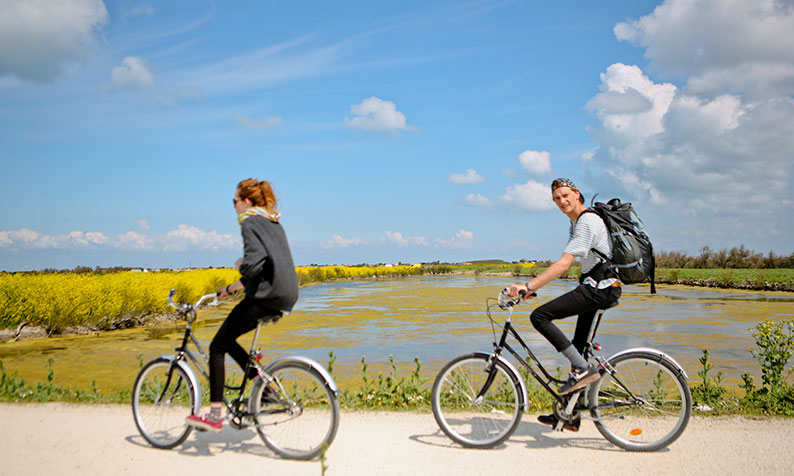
(496, 353)
(546, 379)
(188, 360)
(564, 400)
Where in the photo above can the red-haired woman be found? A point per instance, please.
(269, 280)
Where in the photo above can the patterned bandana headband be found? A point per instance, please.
(563, 182)
(261, 211)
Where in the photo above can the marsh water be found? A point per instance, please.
(434, 318)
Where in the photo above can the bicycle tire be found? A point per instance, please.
(483, 423)
(160, 404)
(297, 414)
(659, 415)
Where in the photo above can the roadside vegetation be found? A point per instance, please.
(397, 390)
(106, 299)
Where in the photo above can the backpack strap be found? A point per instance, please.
(601, 255)
(653, 268)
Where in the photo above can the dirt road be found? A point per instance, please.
(62, 439)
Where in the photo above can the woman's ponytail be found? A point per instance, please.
(260, 193)
(268, 196)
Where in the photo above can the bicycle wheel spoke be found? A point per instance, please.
(162, 398)
(296, 414)
(652, 413)
(470, 420)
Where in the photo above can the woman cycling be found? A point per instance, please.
(268, 277)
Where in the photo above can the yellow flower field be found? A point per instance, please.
(59, 300)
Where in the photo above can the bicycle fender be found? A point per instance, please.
(194, 381)
(659, 353)
(310, 363)
(524, 394)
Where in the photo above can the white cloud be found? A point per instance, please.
(712, 153)
(142, 10)
(531, 196)
(29, 239)
(462, 239)
(134, 241)
(189, 237)
(535, 162)
(477, 200)
(266, 122)
(467, 178)
(341, 242)
(375, 114)
(182, 238)
(133, 73)
(723, 46)
(39, 37)
(143, 225)
(623, 125)
(80, 238)
(398, 239)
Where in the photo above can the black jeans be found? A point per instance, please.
(585, 300)
(242, 319)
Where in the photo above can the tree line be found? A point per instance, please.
(734, 258)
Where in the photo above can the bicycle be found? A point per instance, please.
(641, 401)
(292, 403)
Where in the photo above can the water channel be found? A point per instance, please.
(433, 318)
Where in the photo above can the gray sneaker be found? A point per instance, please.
(580, 378)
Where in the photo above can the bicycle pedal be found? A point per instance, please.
(559, 426)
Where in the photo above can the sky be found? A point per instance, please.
(391, 131)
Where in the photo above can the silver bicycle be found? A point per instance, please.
(292, 403)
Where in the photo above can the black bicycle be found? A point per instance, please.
(292, 402)
(641, 402)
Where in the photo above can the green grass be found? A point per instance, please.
(728, 276)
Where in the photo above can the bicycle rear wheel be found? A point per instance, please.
(470, 421)
(297, 413)
(657, 413)
(162, 397)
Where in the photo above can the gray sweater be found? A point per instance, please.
(267, 270)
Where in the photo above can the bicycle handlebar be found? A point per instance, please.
(505, 301)
(184, 307)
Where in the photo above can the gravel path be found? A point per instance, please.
(63, 439)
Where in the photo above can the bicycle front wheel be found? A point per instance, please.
(645, 405)
(477, 421)
(163, 396)
(297, 412)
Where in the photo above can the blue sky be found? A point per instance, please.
(391, 131)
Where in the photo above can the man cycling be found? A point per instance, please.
(598, 288)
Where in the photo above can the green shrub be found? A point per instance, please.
(775, 341)
(708, 392)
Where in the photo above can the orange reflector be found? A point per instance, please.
(635, 432)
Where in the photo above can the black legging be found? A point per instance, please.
(242, 319)
(584, 300)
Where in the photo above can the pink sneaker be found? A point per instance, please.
(204, 423)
